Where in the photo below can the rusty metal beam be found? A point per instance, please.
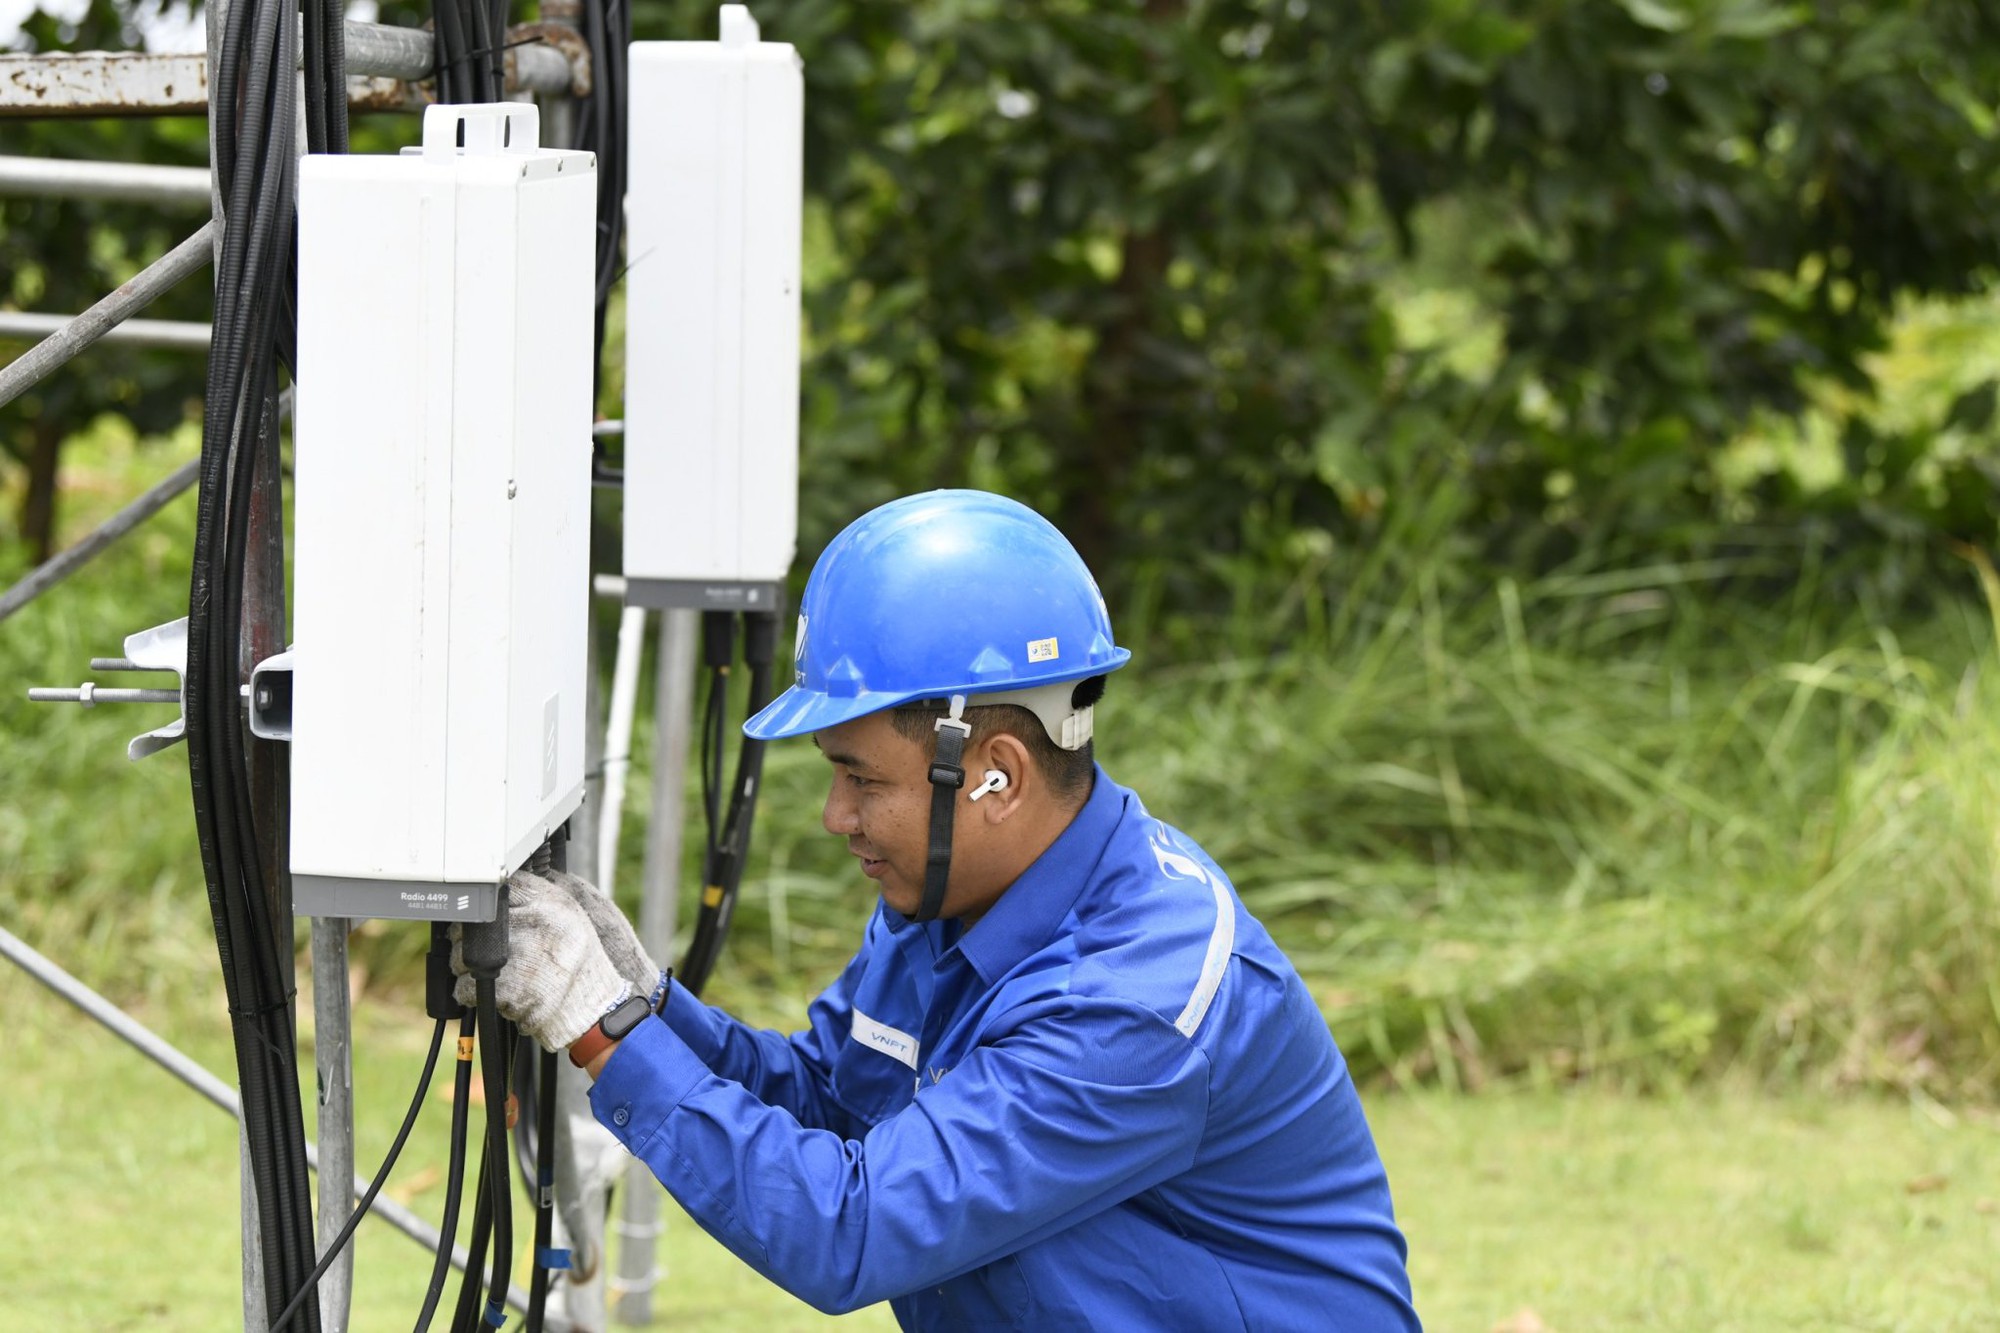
(388, 68)
(103, 83)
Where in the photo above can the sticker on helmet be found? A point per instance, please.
(1042, 650)
(799, 648)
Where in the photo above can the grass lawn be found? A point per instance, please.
(1558, 1210)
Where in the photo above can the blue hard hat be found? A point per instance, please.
(948, 592)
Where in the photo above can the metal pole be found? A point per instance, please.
(560, 110)
(333, 1059)
(131, 182)
(271, 807)
(45, 356)
(384, 50)
(583, 1172)
(170, 333)
(639, 1226)
(618, 741)
(162, 1053)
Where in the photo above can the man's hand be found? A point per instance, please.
(620, 942)
(558, 981)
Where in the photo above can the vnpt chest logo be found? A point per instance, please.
(893, 1042)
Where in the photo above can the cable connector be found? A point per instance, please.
(718, 639)
(760, 638)
(439, 982)
(483, 944)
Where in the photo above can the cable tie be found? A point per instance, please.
(551, 1258)
(496, 1313)
(277, 1006)
(504, 47)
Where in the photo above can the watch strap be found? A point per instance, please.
(618, 1020)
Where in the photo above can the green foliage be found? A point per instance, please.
(1151, 266)
(98, 862)
(1692, 211)
(1480, 398)
(1610, 824)
(1159, 268)
(59, 256)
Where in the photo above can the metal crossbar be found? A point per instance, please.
(170, 1058)
(182, 335)
(60, 566)
(129, 182)
(48, 355)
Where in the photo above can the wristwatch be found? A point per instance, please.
(620, 1019)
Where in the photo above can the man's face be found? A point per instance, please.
(879, 799)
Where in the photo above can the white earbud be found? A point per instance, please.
(995, 781)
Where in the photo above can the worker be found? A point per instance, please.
(1067, 1081)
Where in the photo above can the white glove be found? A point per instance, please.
(557, 981)
(614, 932)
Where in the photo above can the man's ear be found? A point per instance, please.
(1004, 754)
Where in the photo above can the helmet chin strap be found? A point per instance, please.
(947, 776)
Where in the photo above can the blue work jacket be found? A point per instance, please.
(1110, 1104)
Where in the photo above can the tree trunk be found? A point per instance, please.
(1114, 404)
(1115, 392)
(38, 502)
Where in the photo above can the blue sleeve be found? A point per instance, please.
(790, 1072)
(1075, 1106)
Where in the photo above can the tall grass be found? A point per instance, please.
(1643, 823)
(1616, 824)
(98, 862)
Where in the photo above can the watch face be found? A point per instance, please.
(625, 1017)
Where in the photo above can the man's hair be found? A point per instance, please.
(1067, 771)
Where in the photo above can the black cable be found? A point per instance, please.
(729, 847)
(494, 1050)
(601, 129)
(478, 22)
(545, 1186)
(527, 1101)
(454, 72)
(712, 724)
(483, 950)
(254, 127)
(374, 1186)
(313, 69)
(718, 650)
(472, 1287)
(461, 1099)
(496, 20)
(325, 68)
